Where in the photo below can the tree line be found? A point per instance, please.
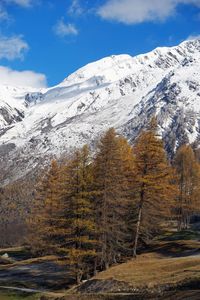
(94, 210)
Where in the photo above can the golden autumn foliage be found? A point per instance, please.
(188, 177)
(44, 216)
(153, 184)
(93, 211)
(63, 213)
(113, 167)
(78, 213)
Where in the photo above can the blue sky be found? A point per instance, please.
(43, 41)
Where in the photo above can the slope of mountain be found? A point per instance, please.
(12, 105)
(120, 91)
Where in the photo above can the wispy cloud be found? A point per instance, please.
(75, 8)
(63, 29)
(3, 13)
(12, 47)
(24, 78)
(23, 3)
(193, 37)
(138, 11)
(5, 4)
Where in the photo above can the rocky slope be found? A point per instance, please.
(120, 91)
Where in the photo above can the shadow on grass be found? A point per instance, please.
(13, 295)
(177, 244)
(181, 235)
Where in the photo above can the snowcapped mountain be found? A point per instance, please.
(12, 105)
(120, 91)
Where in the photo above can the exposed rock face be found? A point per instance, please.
(118, 91)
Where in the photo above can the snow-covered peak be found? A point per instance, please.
(167, 57)
(120, 91)
(115, 67)
(105, 70)
(192, 44)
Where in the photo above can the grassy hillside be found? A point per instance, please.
(169, 260)
(172, 263)
(151, 269)
(9, 295)
(170, 267)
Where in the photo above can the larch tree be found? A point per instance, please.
(112, 167)
(152, 184)
(188, 177)
(43, 220)
(78, 214)
(62, 219)
(127, 169)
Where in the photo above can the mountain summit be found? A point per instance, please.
(118, 91)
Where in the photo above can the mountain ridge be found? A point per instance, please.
(118, 91)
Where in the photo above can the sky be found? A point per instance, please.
(43, 41)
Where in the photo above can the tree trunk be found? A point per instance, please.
(106, 265)
(78, 277)
(137, 232)
(95, 267)
(139, 218)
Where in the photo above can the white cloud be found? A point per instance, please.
(4, 5)
(23, 78)
(192, 2)
(138, 11)
(24, 3)
(63, 29)
(193, 37)
(3, 13)
(75, 8)
(12, 47)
